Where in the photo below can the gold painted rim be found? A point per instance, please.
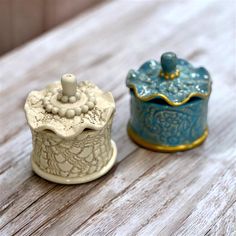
(155, 147)
(165, 98)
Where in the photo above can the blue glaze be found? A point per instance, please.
(169, 112)
(147, 82)
(169, 62)
(167, 125)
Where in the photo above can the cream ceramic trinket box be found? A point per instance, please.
(71, 131)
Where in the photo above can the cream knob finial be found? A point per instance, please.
(69, 85)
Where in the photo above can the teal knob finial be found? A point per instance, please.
(169, 62)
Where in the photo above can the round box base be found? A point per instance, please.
(155, 147)
(79, 180)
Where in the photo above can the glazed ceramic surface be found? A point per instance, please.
(71, 131)
(169, 103)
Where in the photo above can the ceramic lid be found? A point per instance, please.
(67, 108)
(173, 79)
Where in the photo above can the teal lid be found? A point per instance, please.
(173, 79)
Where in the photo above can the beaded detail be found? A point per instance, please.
(68, 106)
(91, 110)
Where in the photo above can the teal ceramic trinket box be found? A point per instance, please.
(169, 104)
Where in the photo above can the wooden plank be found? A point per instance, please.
(157, 201)
(218, 199)
(226, 224)
(146, 193)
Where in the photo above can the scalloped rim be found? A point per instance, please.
(92, 127)
(166, 99)
(81, 127)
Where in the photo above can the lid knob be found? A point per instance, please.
(168, 64)
(69, 85)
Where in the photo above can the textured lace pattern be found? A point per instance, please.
(84, 155)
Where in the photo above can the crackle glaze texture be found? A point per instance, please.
(84, 155)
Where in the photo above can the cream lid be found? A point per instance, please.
(67, 108)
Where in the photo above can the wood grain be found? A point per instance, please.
(146, 193)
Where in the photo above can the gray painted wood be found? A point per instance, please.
(146, 193)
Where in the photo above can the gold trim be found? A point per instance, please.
(155, 95)
(155, 147)
(170, 76)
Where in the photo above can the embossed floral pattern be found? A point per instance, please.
(167, 125)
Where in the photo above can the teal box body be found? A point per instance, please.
(168, 104)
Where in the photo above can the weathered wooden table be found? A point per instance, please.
(146, 193)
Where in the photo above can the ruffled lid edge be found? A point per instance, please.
(109, 112)
(147, 98)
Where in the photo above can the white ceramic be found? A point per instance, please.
(71, 131)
